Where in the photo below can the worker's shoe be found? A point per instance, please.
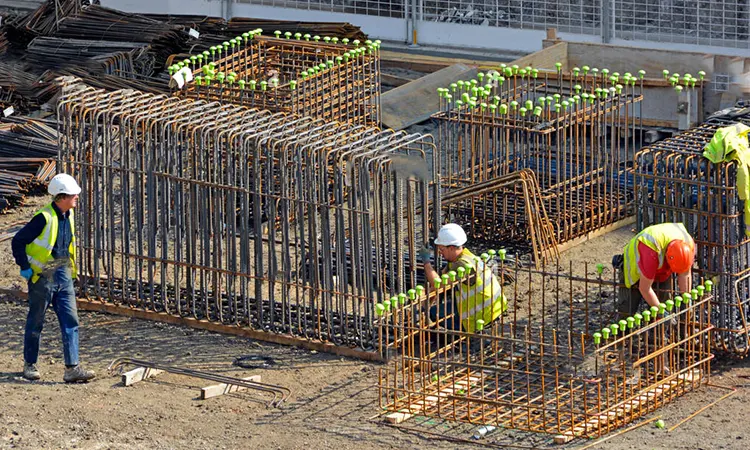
(30, 372)
(77, 374)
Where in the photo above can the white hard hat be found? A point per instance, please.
(451, 234)
(63, 184)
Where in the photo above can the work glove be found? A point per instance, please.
(27, 273)
(424, 254)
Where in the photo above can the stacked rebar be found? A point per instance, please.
(573, 129)
(327, 78)
(560, 360)
(675, 183)
(240, 216)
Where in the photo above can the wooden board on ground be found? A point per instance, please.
(431, 400)
(416, 101)
(223, 388)
(131, 377)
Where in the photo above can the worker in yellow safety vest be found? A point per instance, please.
(652, 256)
(480, 297)
(46, 253)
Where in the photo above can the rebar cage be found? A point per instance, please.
(241, 217)
(552, 362)
(675, 183)
(576, 130)
(328, 79)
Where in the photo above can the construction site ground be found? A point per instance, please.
(333, 403)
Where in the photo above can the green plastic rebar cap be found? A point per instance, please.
(558, 65)
(597, 338)
(665, 72)
(461, 272)
(277, 33)
(701, 290)
(586, 69)
(445, 278)
(623, 325)
(492, 253)
(709, 285)
(387, 304)
(670, 305)
(538, 111)
(600, 268)
(412, 293)
(638, 318)
(522, 111)
(503, 109)
(662, 308)
(605, 332)
(687, 297)
(576, 70)
(694, 293)
(420, 289)
(480, 325)
(529, 104)
(702, 74)
(514, 104)
(437, 282)
(501, 254)
(614, 327)
(655, 310)
(678, 88)
(402, 298)
(678, 301)
(379, 309)
(452, 275)
(647, 315)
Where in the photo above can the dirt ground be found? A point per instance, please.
(333, 403)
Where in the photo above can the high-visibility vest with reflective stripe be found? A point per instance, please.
(483, 299)
(39, 252)
(657, 238)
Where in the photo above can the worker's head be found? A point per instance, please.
(679, 256)
(450, 241)
(65, 190)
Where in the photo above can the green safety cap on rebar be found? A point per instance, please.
(225, 44)
(678, 301)
(576, 70)
(263, 85)
(538, 111)
(199, 80)
(597, 338)
(654, 311)
(577, 99)
(480, 325)
(701, 290)
(437, 282)
(241, 83)
(638, 318)
(503, 109)
(670, 305)
(515, 68)
(665, 72)
(662, 308)
(522, 72)
(600, 268)
(335, 40)
(316, 38)
(213, 49)
(277, 33)
(595, 71)
(459, 103)
(687, 297)
(529, 104)
(412, 293)
(558, 107)
(508, 71)
(292, 84)
(678, 89)
(452, 275)
(379, 309)
(402, 298)
(233, 42)
(420, 289)
(647, 315)
(623, 325)
(709, 285)
(387, 304)
(614, 327)
(245, 36)
(523, 111)
(565, 104)
(694, 293)
(606, 332)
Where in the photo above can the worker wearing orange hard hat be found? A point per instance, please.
(652, 256)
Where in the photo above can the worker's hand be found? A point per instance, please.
(27, 273)
(424, 254)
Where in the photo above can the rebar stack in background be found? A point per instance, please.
(575, 130)
(675, 183)
(242, 217)
(326, 78)
(560, 360)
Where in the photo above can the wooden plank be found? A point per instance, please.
(596, 233)
(419, 405)
(220, 389)
(131, 377)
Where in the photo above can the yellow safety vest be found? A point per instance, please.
(657, 238)
(483, 299)
(39, 252)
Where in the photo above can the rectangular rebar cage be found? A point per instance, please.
(675, 183)
(552, 362)
(576, 131)
(332, 79)
(241, 217)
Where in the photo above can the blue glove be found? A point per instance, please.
(424, 254)
(27, 273)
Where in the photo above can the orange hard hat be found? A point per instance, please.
(679, 256)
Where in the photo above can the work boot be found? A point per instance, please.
(30, 372)
(77, 374)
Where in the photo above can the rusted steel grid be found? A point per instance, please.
(285, 224)
(560, 360)
(675, 183)
(575, 131)
(329, 80)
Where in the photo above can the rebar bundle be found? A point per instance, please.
(575, 130)
(559, 360)
(511, 206)
(242, 217)
(327, 79)
(675, 183)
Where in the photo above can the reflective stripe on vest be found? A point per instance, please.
(657, 238)
(39, 252)
(484, 299)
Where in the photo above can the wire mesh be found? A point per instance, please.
(242, 217)
(675, 183)
(574, 130)
(552, 363)
(324, 78)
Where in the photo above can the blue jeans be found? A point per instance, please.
(55, 289)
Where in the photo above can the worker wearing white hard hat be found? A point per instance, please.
(479, 299)
(45, 250)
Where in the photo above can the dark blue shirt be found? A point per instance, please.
(34, 228)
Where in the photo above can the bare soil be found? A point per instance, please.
(332, 404)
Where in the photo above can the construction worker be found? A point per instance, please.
(479, 299)
(653, 255)
(45, 250)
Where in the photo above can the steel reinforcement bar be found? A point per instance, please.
(224, 214)
(560, 360)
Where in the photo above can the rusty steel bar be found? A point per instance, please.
(284, 224)
(559, 360)
(675, 183)
(328, 79)
(571, 129)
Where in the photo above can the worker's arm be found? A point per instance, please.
(26, 236)
(685, 281)
(430, 273)
(644, 286)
